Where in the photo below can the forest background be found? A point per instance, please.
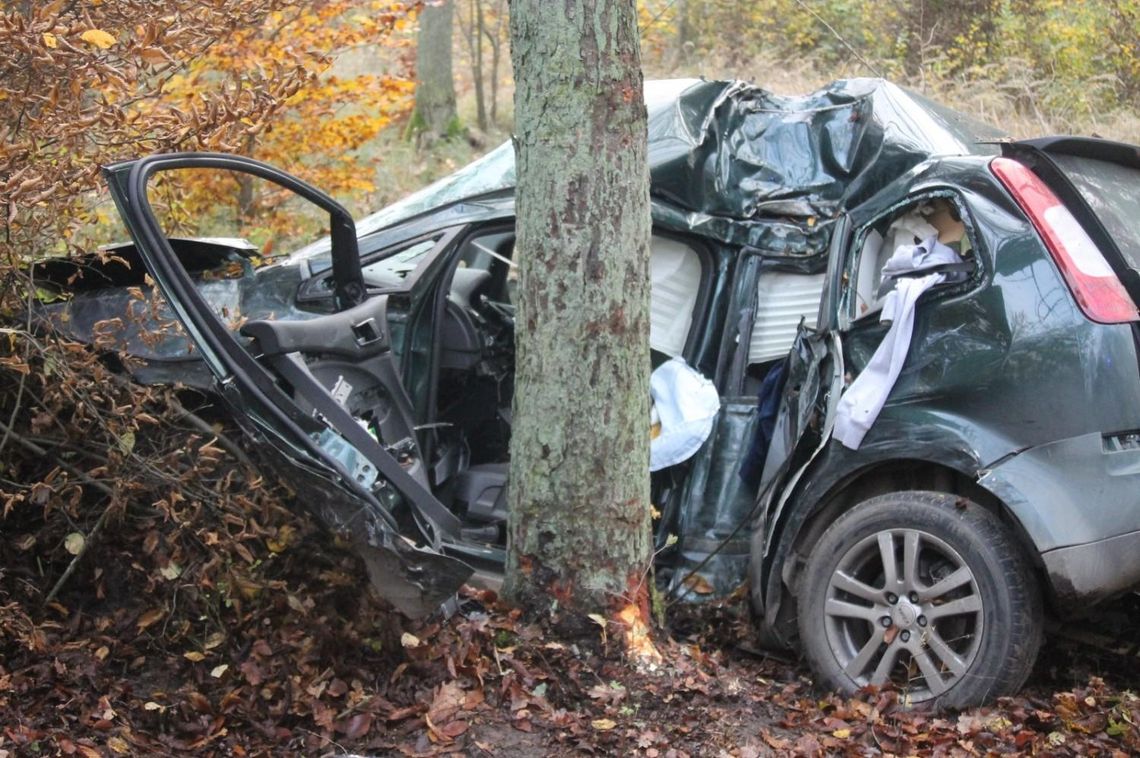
(141, 556)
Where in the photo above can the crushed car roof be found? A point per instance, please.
(734, 162)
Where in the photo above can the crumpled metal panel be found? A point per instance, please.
(736, 163)
(745, 165)
(715, 503)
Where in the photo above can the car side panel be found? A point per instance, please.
(1014, 358)
(1011, 365)
(1072, 491)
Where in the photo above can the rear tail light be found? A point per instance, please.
(1092, 281)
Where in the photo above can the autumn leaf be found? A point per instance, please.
(154, 55)
(603, 725)
(286, 535)
(150, 617)
(98, 38)
(358, 725)
(74, 543)
(50, 40)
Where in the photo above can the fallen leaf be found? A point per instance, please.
(150, 617)
(603, 725)
(358, 725)
(407, 639)
(448, 700)
(218, 671)
(252, 673)
(50, 40)
(286, 536)
(841, 734)
(74, 542)
(194, 655)
(98, 38)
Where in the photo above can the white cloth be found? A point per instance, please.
(864, 399)
(687, 405)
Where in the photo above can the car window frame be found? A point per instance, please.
(842, 301)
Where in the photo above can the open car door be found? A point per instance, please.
(344, 440)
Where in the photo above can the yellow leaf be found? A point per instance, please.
(50, 40)
(119, 745)
(841, 733)
(285, 537)
(603, 725)
(102, 652)
(194, 656)
(98, 38)
(217, 671)
(73, 543)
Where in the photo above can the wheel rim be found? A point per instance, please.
(903, 606)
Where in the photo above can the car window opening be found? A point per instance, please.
(936, 217)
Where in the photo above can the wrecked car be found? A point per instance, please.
(923, 342)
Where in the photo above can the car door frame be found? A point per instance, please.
(417, 578)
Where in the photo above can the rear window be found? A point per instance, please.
(1113, 193)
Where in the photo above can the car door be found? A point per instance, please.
(351, 457)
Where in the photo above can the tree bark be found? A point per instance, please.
(494, 38)
(579, 477)
(472, 33)
(434, 113)
(477, 63)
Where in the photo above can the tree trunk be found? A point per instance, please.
(477, 54)
(434, 113)
(494, 38)
(579, 478)
(684, 35)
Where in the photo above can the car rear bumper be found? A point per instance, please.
(1082, 575)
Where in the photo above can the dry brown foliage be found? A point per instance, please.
(132, 528)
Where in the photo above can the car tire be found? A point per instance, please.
(954, 619)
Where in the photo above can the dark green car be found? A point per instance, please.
(924, 341)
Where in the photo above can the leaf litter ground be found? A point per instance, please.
(275, 649)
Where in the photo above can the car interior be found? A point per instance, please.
(472, 423)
